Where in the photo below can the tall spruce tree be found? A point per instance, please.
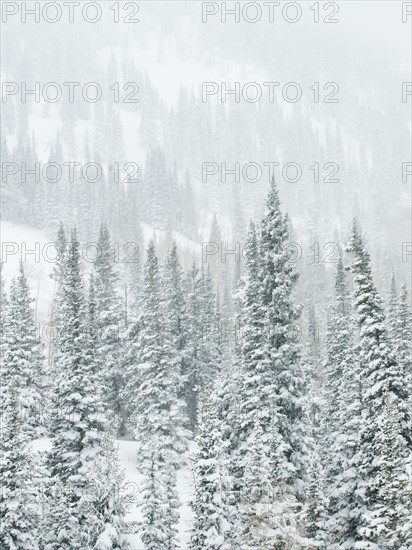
(257, 389)
(213, 527)
(403, 338)
(392, 307)
(279, 277)
(381, 375)
(257, 492)
(105, 504)
(77, 421)
(341, 419)
(273, 386)
(19, 509)
(175, 320)
(388, 521)
(3, 310)
(152, 389)
(202, 340)
(22, 357)
(57, 276)
(3, 301)
(215, 260)
(109, 324)
(174, 324)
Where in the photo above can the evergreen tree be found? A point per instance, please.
(57, 276)
(257, 501)
(19, 510)
(257, 386)
(403, 338)
(22, 357)
(60, 526)
(91, 319)
(152, 389)
(3, 301)
(105, 503)
(108, 321)
(211, 529)
(215, 260)
(175, 321)
(3, 310)
(203, 333)
(380, 375)
(272, 385)
(315, 502)
(271, 516)
(77, 420)
(341, 418)
(174, 324)
(278, 278)
(378, 363)
(391, 316)
(3, 316)
(388, 522)
(155, 528)
(225, 396)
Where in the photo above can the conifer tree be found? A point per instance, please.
(175, 321)
(212, 526)
(315, 501)
(377, 361)
(22, 357)
(3, 317)
(215, 260)
(278, 278)
(257, 492)
(105, 503)
(77, 419)
(341, 418)
(19, 510)
(156, 413)
(403, 338)
(203, 333)
(108, 323)
(174, 325)
(272, 378)
(388, 521)
(270, 345)
(391, 312)
(4, 302)
(381, 375)
(257, 387)
(60, 527)
(57, 276)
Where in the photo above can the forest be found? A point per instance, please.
(206, 327)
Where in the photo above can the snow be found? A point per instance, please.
(183, 243)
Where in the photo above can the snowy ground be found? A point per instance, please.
(128, 461)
